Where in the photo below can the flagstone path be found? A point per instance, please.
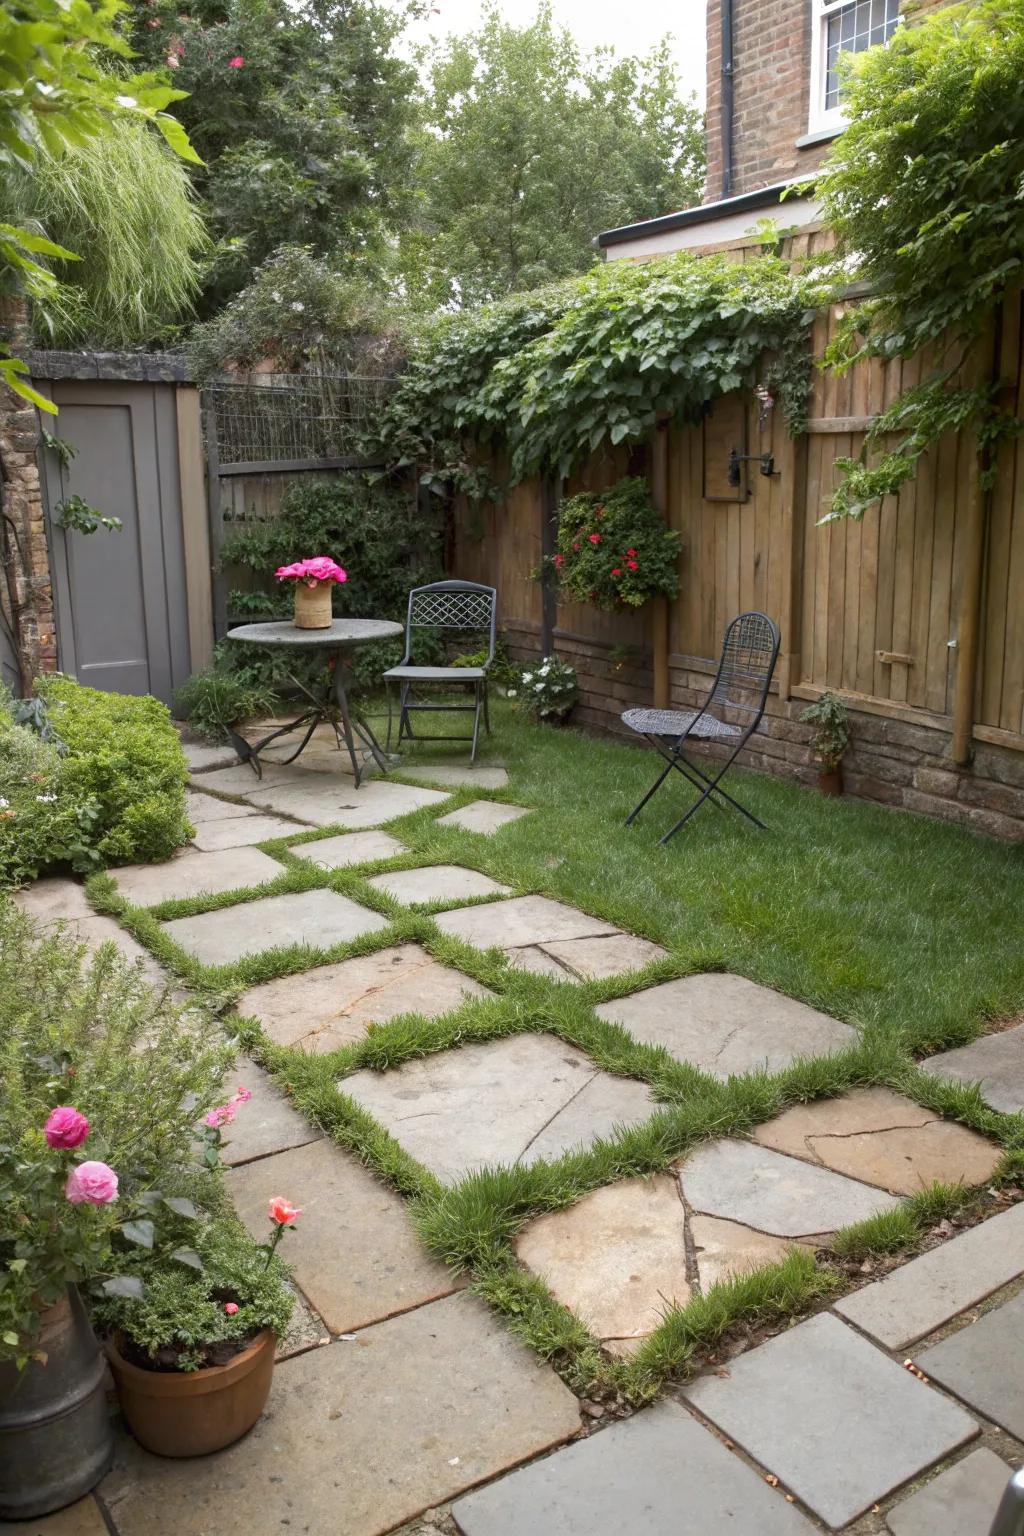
(398, 1392)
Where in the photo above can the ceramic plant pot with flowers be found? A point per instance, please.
(191, 1337)
(314, 581)
(549, 691)
(830, 740)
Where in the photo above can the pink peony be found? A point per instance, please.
(320, 568)
(91, 1184)
(66, 1127)
(231, 1307)
(236, 62)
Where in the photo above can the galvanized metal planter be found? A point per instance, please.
(56, 1441)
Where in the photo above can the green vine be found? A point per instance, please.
(74, 514)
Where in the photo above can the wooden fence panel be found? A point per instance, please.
(1001, 694)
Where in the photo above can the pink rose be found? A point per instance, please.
(66, 1127)
(236, 62)
(91, 1184)
(283, 1212)
(322, 568)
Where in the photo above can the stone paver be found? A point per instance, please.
(317, 918)
(194, 874)
(884, 1139)
(725, 1250)
(353, 1252)
(304, 1331)
(538, 962)
(53, 900)
(437, 882)
(838, 1422)
(962, 1501)
(200, 807)
(240, 832)
(595, 959)
(333, 1005)
(361, 1436)
(996, 1062)
(483, 816)
(492, 1103)
(727, 1025)
(659, 1473)
(521, 921)
(773, 1193)
(267, 1123)
(240, 779)
(456, 775)
(349, 848)
(201, 756)
(606, 1105)
(616, 1258)
(921, 1296)
(325, 804)
(63, 901)
(984, 1364)
(81, 1519)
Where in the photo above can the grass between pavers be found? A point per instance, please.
(858, 911)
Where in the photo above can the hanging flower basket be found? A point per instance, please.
(614, 550)
(314, 580)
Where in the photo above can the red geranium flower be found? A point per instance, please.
(633, 564)
(616, 572)
(595, 538)
(631, 553)
(559, 560)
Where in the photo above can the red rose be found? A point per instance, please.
(631, 553)
(559, 560)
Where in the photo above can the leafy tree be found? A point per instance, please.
(300, 112)
(528, 149)
(924, 193)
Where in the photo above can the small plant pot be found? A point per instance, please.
(192, 1413)
(313, 605)
(830, 781)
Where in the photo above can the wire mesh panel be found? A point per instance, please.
(432, 609)
(295, 417)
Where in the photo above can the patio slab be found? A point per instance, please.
(201, 756)
(797, 1405)
(53, 900)
(727, 1025)
(660, 1473)
(267, 1123)
(317, 918)
(325, 804)
(333, 1005)
(616, 1258)
(884, 1139)
(521, 921)
(240, 778)
(349, 848)
(962, 1501)
(193, 873)
(353, 1251)
(921, 1296)
(360, 1437)
(483, 816)
(81, 1519)
(597, 958)
(775, 1194)
(995, 1062)
(457, 774)
(497, 1102)
(724, 1250)
(984, 1364)
(200, 807)
(437, 882)
(240, 832)
(538, 962)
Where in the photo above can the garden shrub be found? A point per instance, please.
(614, 550)
(213, 700)
(39, 825)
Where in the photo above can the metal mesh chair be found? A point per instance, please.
(451, 607)
(730, 714)
(1009, 1520)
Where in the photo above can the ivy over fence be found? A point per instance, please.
(552, 375)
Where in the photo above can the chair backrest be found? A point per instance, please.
(453, 606)
(1009, 1519)
(749, 653)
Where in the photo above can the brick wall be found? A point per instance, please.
(892, 762)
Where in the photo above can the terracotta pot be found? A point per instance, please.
(313, 605)
(56, 1441)
(830, 781)
(191, 1413)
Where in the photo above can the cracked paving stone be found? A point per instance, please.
(884, 1139)
(436, 882)
(724, 1250)
(983, 1364)
(195, 874)
(199, 807)
(839, 1423)
(322, 803)
(962, 1501)
(349, 848)
(727, 1025)
(317, 918)
(995, 1062)
(240, 831)
(267, 1123)
(538, 962)
(484, 817)
(333, 1005)
(498, 1102)
(522, 921)
(772, 1193)
(594, 959)
(54, 901)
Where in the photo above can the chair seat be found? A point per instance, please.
(674, 723)
(436, 674)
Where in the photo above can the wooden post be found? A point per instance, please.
(659, 605)
(195, 528)
(550, 495)
(220, 595)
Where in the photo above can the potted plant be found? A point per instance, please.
(548, 692)
(614, 550)
(830, 740)
(314, 580)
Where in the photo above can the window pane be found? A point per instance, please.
(857, 26)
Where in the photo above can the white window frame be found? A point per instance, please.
(821, 119)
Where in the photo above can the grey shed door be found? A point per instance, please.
(122, 614)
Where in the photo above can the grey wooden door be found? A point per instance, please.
(120, 597)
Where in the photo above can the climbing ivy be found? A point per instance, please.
(552, 375)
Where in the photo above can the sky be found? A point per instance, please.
(629, 26)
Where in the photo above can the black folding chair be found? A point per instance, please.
(749, 653)
(450, 607)
(1009, 1520)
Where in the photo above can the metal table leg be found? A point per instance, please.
(352, 726)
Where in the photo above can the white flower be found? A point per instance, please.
(126, 101)
(3, 803)
(43, 799)
(538, 687)
(511, 693)
(298, 306)
(276, 298)
(527, 677)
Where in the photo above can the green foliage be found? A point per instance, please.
(74, 514)
(614, 549)
(549, 691)
(93, 1035)
(41, 822)
(123, 755)
(923, 192)
(526, 149)
(831, 737)
(218, 698)
(555, 374)
(179, 1322)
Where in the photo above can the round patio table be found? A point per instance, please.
(331, 706)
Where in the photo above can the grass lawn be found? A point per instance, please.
(905, 928)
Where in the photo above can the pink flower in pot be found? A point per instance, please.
(312, 572)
